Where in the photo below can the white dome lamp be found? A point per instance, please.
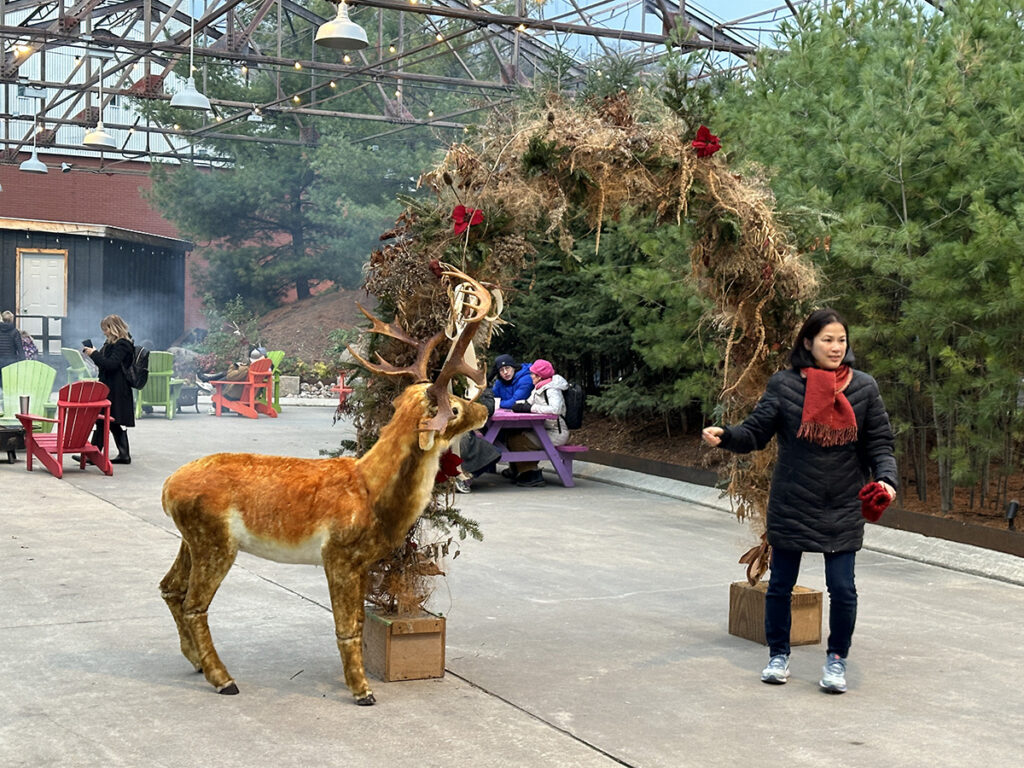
(34, 164)
(189, 97)
(98, 138)
(341, 33)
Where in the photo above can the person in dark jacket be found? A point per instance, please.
(510, 382)
(111, 360)
(833, 436)
(11, 349)
(478, 456)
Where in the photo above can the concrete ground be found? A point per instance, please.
(589, 628)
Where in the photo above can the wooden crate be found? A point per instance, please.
(403, 647)
(746, 613)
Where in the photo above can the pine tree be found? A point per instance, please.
(902, 127)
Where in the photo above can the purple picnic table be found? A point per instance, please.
(560, 456)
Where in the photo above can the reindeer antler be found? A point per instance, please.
(418, 368)
(471, 305)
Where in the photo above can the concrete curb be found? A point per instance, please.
(903, 544)
(316, 402)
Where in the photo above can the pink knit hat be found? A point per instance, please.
(544, 369)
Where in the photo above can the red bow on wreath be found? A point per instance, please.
(466, 218)
(449, 467)
(706, 142)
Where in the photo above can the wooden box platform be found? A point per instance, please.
(746, 613)
(403, 647)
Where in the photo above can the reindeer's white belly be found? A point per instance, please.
(306, 551)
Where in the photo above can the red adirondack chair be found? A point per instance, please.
(261, 379)
(79, 405)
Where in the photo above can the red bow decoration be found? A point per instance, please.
(466, 217)
(449, 467)
(873, 501)
(706, 142)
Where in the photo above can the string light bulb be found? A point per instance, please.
(391, 49)
(347, 59)
(298, 65)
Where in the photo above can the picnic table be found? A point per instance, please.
(560, 456)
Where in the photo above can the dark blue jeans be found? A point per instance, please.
(842, 600)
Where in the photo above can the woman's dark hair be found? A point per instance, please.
(801, 357)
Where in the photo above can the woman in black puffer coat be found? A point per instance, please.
(833, 438)
(111, 360)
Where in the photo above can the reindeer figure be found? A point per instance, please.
(343, 513)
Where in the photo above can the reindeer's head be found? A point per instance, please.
(442, 415)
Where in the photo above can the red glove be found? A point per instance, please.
(873, 501)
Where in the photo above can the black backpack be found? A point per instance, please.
(574, 401)
(136, 372)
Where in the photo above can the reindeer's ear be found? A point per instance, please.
(427, 439)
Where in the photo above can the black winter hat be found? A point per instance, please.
(499, 361)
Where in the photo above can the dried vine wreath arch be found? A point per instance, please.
(541, 174)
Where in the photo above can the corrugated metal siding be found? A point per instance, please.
(145, 285)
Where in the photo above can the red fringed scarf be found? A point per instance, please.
(828, 418)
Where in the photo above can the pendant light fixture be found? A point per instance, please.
(189, 97)
(341, 33)
(34, 164)
(98, 138)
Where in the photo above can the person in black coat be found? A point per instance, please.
(111, 360)
(833, 437)
(11, 349)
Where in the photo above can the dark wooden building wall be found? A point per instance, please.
(145, 284)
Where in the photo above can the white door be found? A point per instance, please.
(42, 290)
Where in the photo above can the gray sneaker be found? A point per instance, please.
(777, 670)
(833, 674)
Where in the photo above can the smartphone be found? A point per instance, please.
(87, 343)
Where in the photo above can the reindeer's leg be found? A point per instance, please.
(173, 588)
(210, 564)
(347, 583)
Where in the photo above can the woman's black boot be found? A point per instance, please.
(124, 455)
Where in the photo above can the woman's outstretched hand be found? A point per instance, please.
(712, 435)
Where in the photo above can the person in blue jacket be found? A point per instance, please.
(511, 382)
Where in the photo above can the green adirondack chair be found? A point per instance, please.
(32, 378)
(276, 356)
(77, 369)
(161, 388)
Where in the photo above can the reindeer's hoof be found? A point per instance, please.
(229, 690)
(366, 701)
